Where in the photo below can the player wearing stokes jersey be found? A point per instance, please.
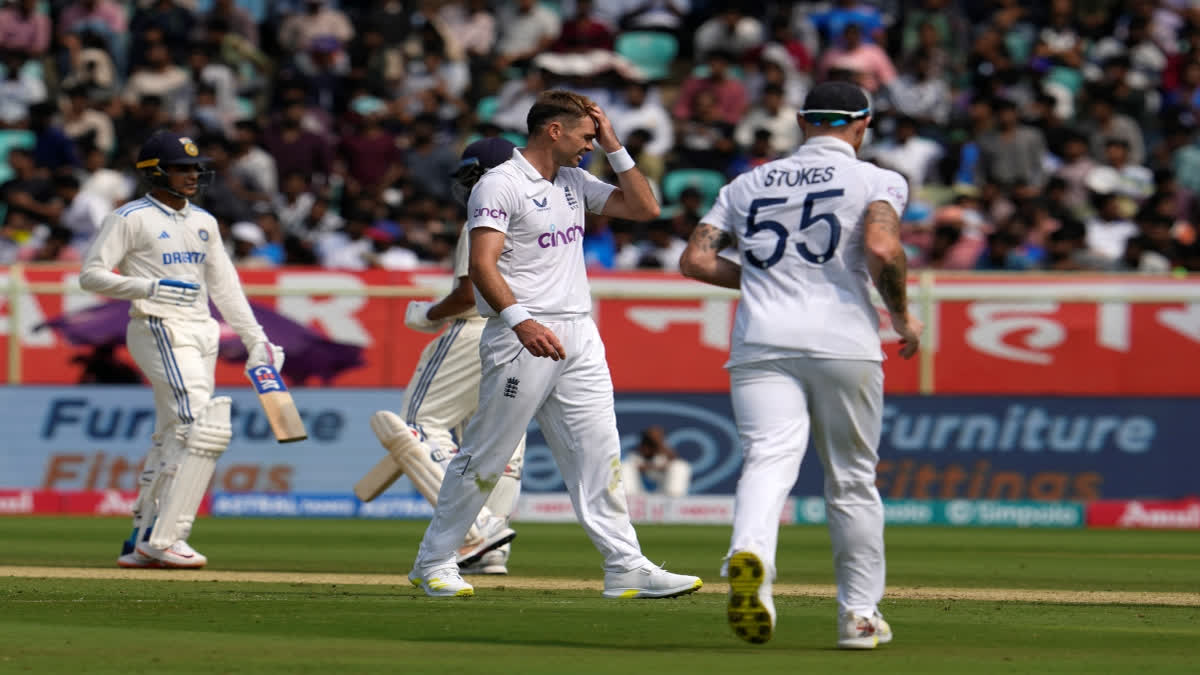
(541, 353)
(170, 261)
(814, 230)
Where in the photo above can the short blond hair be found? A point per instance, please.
(554, 104)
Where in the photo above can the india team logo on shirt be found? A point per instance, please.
(203, 235)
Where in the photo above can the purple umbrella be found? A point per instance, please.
(307, 353)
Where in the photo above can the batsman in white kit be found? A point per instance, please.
(170, 261)
(540, 350)
(814, 230)
(444, 393)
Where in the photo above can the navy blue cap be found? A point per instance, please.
(489, 152)
(165, 148)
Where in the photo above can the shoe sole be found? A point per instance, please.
(859, 643)
(747, 617)
(491, 569)
(631, 593)
(485, 548)
(140, 566)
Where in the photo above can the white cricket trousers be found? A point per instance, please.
(776, 404)
(444, 390)
(572, 400)
(179, 357)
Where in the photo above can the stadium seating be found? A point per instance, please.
(652, 52)
(708, 182)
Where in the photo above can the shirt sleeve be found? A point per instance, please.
(722, 213)
(595, 191)
(462, 254)
(889, 187)
(117, 238)
(225, 290)
(491, 204)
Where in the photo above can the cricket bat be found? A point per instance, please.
(379, 478)
(277, 403)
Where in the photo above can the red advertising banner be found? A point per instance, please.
(74, 503)
(1182, 514)
(991, 334)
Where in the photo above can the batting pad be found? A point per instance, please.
(209, 436)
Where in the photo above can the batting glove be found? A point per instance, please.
(415, 317)
(181, 293)
(265, 354)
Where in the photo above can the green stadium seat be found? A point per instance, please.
(486, 108)
(9, 139)
(652, 52)
(707, 181)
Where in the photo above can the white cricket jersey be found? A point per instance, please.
(797, 223)
(542, 259)
(146, 240)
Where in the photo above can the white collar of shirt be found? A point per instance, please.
(831, 143)
(539, 182)
(181, 213)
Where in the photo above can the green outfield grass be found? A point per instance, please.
(131, 626)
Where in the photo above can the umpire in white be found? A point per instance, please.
(170, 260)
(813, 231)
(541, 353)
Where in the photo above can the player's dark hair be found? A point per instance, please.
(556, 104)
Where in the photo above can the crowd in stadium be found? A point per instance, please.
(1047, 136)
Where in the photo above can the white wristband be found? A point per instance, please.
(620, 160)
(514, 314)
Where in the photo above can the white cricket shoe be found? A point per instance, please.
(441, 581)
(750, 609)
(494, 561)
(860, 632)
(495, 533)
(135, 560)
(178, 555)
(649, 581)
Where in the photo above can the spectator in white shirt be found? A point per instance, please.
(255, 166)
(160, 77)
(1108, 231)
(525, 30)
(472, 25)
(1135, 182)
(318, 20)
(912, 156)
(776, 117)
(731, 30)
(644, 110)
(82, 212)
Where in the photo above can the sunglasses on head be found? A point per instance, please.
(833, 118)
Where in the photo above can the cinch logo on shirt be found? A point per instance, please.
(491, 213)
(554, 238)
(183, 257)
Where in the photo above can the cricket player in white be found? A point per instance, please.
(444, 392)
(541, 353)
(170, 261)
(814, 230)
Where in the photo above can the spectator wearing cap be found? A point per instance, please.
(871, 65)
(1012, 154)
(1105, 122)
(84, 123)
(732, 30)
(774, 115)
(369, 153)
(317, 20)
(642, 110)
(527, 28)
(728, 93)
(250, 246)
(25, 28)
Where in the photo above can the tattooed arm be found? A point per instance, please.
(889, 270)
(700, 260)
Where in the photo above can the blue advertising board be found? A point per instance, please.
(966, 447)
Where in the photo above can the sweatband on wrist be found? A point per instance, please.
(514, 314)
(620, 160)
